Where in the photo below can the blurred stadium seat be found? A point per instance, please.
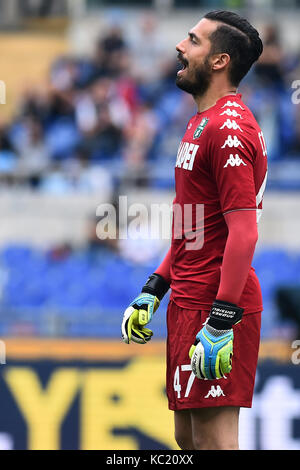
(87, 293)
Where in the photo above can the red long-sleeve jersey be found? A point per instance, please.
(221, 167)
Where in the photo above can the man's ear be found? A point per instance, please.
(220, 61)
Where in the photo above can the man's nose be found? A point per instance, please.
(180, 47)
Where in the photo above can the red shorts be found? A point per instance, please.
(184, 390)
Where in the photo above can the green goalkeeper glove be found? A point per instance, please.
(141, 310)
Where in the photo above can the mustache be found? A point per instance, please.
(181, 59)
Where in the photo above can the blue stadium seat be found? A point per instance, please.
(87, 293)
(62, 138)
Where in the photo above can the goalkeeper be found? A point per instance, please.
(214, 312)
(223, 339)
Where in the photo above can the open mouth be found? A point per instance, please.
(183, 63)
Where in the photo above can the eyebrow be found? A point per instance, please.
(193, 36)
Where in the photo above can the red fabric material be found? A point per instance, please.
(184, 390)
(164, 268)
(238, 254)
(221, 166)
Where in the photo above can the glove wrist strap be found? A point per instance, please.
(156, 285)
(224, 315)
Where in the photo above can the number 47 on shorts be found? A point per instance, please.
(177, 386)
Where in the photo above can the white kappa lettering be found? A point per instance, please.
(215, 391)
(232, 142)
(231, 124)
(234, 160)
(231, 112)
(232, 103)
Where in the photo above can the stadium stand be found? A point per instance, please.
(71, 293)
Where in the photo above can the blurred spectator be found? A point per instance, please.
(101, 242)
(109, 115)
(113, 40)
(149, 50)
(267, 92)
(42, 8)
(100, 115)
(34, 157)
(64, 73)
(8, 156)
(140, 134)
(111, 54)
(60, 253)
(270, 67)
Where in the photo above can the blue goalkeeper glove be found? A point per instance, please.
(141, 310)
(211, 354)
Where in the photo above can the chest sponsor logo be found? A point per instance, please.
(186, 155)
(231, 124)
(200, 128)
(235, 160)
(232, 142)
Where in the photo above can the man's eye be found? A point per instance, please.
(193, 40)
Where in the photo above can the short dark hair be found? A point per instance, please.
(238, 38)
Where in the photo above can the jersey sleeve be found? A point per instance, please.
(232, 154)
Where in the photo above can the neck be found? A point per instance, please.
(212, 95)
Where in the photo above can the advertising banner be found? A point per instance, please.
(93, 395)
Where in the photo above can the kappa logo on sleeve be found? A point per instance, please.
(234, 160)
(232, 104)
(232, 113)
(231, 124)
(232, 142)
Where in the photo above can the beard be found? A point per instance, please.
(199, 82)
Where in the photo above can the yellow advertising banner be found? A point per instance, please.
(89, 395)
(115, 393)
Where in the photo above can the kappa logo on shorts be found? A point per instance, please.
(215, 392)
